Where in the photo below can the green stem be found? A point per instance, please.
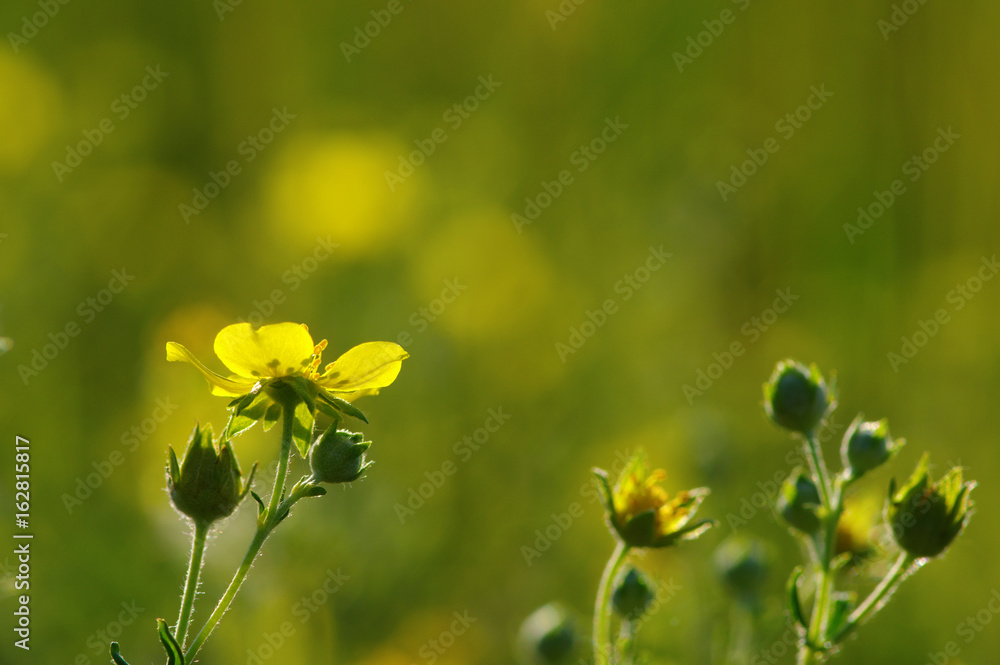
(822, 476)
(627, 644)
(832, 496)
(880, 594)
(266, 525)
(602, 609)
(191, 584)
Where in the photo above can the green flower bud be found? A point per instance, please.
(547, 636)
(796, 397)
(743, 565)
(208, 485)
(632, 595)
(338, 456)
(867, 445)
(926, 517)
(798, 502)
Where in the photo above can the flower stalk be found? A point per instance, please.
(191, 583)
(266, 523)
(602, 607)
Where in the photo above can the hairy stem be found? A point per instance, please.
(191, 583)
(602, 609)
(266, 524)
(877, 599)
(832, 496)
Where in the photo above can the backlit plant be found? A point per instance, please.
(275, 375)
(924, 517)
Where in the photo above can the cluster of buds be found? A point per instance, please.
(925, 517)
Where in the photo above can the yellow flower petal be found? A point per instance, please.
(220, 384)
(367, 366)
(274, 350)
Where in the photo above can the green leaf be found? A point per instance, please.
(606, 493)
(304, 389)
(175, 656)
(843, 605)
(841, 560)
(302, 428)
(260, 503)
(794, 604)
(328, 409)
(235, 402)
(256, 407)
(237, 425)
(316, 490)
(271, 416)
(116, 655)
(250, 408)
(343, 406)
(175, 469)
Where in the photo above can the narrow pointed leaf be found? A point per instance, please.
(343, 406)
(843, 605)
(116, 655)
(794, 604)
(260, 503)
(175, 656)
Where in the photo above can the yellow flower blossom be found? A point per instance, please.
(283, 350)
(277, 367)
(642, 513)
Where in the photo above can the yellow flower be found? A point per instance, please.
(642, 513)
(285, 350)
(278, 366)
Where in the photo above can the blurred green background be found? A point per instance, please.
(308, 115)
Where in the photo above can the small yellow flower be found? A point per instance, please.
(276, 368)
(642, 513)
(285, 350)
